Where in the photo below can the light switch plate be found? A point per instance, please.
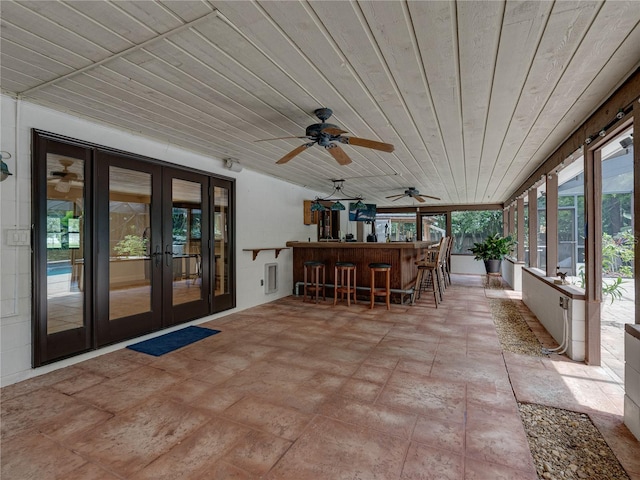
(17, 237)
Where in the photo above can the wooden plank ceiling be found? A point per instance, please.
(474, 95)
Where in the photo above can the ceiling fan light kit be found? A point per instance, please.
(328, 135)
(335, 198)
(64, 177)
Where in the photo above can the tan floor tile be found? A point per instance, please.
(91, 471)
(196, 454)
(361, 390)
(128, 389)
(361, 394)
(115, 363)
(78, 383)
(425, 395)
(33, 456)
(33, 384)
(223, 470)
(480, 470)
(377, 417)
(277, 420)
(381, 360)
(216, 399)
(440, 433)
(73, 423)
(331, 449)
(132, 440)
(499, 442)
(257, 452)
(621, 441)
(410, 366)
(373, 374)
(30, 411)
(428, 463)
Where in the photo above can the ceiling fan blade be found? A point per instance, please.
(418, 197)
(429, 196)
(293, 153)
(339, 154)
(363, 142)
(278, 138)
(333, 131)
(396, 196)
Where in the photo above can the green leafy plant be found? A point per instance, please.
(612, 290)
(494, 247)
(617, 254)
(131, 246)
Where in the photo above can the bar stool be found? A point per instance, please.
(381, 291)
(314, 285)
(341, 269)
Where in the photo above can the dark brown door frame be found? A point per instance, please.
(112, 331)
(175, 314)
(49, 347)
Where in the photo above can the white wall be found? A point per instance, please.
(269, 212)
(467, 265)
(544, 302)
(632, 379)
(512, 273)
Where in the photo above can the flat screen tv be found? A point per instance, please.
(367, 214)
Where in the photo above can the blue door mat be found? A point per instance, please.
(172, 341)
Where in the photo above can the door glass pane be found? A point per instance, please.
(186, 219)
(396, 227)
(571, 220)
(221, 240)
(433, 227)
(526, 230)
(129, 232)
(65, 243)
(618, 275)
(542, 226)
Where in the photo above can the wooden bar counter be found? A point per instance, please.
(400, 255)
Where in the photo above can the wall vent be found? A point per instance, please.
(271, 278)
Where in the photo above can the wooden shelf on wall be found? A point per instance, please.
(256, 251)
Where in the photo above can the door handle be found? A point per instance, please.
(157, 254)
(169, 254)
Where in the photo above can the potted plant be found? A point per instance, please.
(492, 251)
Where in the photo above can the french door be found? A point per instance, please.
(123, 246)
(151, 224)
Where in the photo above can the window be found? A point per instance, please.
(542, 226)
(396, 227)
(433, 227)
(571, 218)
(473, 226)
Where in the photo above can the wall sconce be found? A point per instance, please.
(4, 169)
(232, 164)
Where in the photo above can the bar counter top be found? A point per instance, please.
(400, 255)
(371, 245)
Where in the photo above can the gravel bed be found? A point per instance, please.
(564, 444)
(514, 333)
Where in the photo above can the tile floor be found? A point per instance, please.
(293, 390)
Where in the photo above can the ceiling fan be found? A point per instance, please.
(64, 176)
(413, 193)
(329, 136)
